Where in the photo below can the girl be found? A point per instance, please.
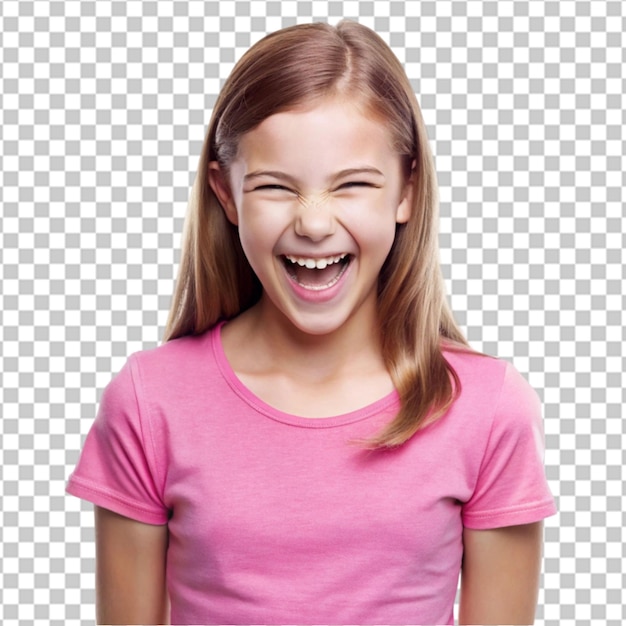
(315, 442)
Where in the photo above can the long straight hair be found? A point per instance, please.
(286, 69)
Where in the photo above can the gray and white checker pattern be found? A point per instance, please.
(104, 107)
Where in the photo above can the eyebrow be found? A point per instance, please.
(342, 174)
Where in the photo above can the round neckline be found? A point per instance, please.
(391, 400)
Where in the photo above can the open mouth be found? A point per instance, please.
(316, 274)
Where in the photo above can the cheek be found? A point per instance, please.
(381, 233)
(375, 215)
(383, 240)
(259, 232)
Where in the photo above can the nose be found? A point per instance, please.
(315, 219)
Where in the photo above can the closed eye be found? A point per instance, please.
(356, 183)
(276, 187)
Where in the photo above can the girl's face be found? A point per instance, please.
(316, 194)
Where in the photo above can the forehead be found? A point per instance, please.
(329, 130)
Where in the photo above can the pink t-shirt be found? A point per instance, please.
(279, 519)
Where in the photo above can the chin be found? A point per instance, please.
(319, 328)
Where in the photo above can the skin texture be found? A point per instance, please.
(500, 575)
(130, 570)
(316, 182)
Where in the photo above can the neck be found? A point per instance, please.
(350, 350)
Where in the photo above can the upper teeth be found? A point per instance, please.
(319, 264)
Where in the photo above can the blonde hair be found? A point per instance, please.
(285, 69)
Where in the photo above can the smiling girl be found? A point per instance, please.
(315, 442)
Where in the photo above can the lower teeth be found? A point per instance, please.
(320, 287)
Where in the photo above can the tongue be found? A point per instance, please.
(315, 277)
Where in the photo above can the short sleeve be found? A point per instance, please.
(511, 487)
(116, 468)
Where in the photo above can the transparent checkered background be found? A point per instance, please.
(104, 107)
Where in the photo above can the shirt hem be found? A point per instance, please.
(523, 514)
(113, 502)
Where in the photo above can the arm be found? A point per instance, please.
(500, 575)
(130, 570)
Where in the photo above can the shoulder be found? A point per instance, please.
(477, 373)
(177, 358)
(493, 388)
(172, 368)
(181, 348)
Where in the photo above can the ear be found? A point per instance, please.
(220, 187)
(405, 207)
